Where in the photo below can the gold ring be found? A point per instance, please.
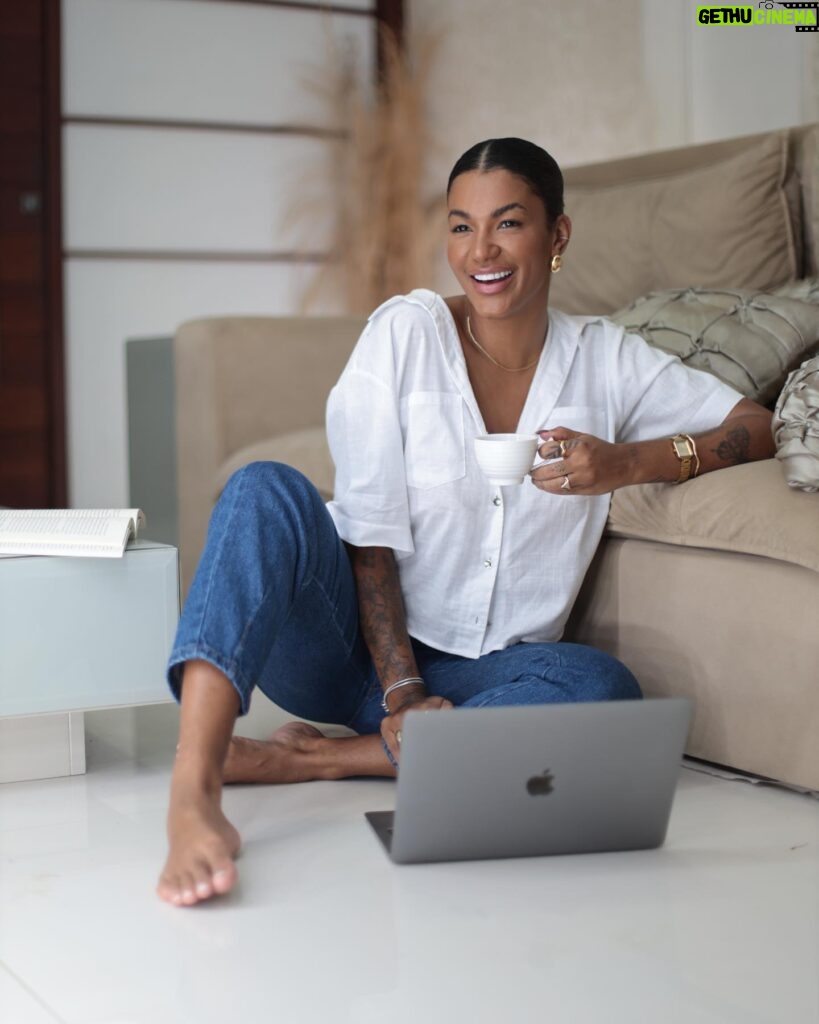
(398, 737)
(563, 449)
(565, 486)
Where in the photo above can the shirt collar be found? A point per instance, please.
(553, 368)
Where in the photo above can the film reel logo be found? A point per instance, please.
(796, 7)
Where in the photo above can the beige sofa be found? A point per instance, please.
(710, 589)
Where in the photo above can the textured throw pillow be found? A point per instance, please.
(796, 427)
(727, 223)
(749, 339)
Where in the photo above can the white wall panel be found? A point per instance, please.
(714, 82)
(163, 189)
(810, 79)
(666, 60)
(567, 74)
(109, 302)
(745, 79)
(185, 59)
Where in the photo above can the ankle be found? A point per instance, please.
(194, 773)
(322, 754)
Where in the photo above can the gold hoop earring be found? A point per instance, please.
(557, 263)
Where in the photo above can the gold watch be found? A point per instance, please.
(686, 452)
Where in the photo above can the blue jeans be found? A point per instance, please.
(273, 604)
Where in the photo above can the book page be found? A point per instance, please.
(97, 533)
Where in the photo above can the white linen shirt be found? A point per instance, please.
(481, 566)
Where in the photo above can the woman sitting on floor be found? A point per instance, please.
(422, 586)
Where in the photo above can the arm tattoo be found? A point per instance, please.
(735, 446)
(633, 452)
(381, 612)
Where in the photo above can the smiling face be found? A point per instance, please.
(500, 242)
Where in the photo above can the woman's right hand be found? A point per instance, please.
(391, 725)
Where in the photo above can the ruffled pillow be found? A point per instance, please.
(796, 427)
(806, 290)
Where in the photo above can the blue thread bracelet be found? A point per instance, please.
(392, 760)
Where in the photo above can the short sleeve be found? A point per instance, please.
(658, 395)
(370, 506)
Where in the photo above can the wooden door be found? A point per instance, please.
(32, 418)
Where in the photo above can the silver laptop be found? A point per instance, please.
(478, 783)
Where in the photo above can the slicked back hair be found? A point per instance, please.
(517, 156)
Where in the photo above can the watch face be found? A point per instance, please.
(683, 448)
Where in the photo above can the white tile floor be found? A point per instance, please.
(721, 925)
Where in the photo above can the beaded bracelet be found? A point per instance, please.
(397, 686)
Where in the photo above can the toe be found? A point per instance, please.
(224, 877)
(188, 889)
(168, 889)
(202, 880)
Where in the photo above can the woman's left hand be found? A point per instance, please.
(392, 723)
(584, 464)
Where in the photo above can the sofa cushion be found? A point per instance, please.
(796, 427)
(747, 508)
(749, 339)
(726, 223)
(305, 450)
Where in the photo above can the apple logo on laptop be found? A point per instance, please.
(540, 785)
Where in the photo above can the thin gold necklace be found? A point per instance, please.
(500, 366)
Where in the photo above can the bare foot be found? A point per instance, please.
(285, 757)
(203, 846)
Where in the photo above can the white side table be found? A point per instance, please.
(78, 634)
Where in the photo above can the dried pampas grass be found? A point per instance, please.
(383, 233)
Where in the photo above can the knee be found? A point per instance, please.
(261, 480)
(603, 677)
(619, 682)
(269, 497)
(263, 474)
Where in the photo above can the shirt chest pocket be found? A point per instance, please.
(434, 441)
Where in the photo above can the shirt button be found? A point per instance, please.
(496, 500)
(487, 563)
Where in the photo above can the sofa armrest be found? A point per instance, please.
(238, 382)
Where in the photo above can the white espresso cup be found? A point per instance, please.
(506, 458)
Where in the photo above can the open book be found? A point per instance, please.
(87, 532)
